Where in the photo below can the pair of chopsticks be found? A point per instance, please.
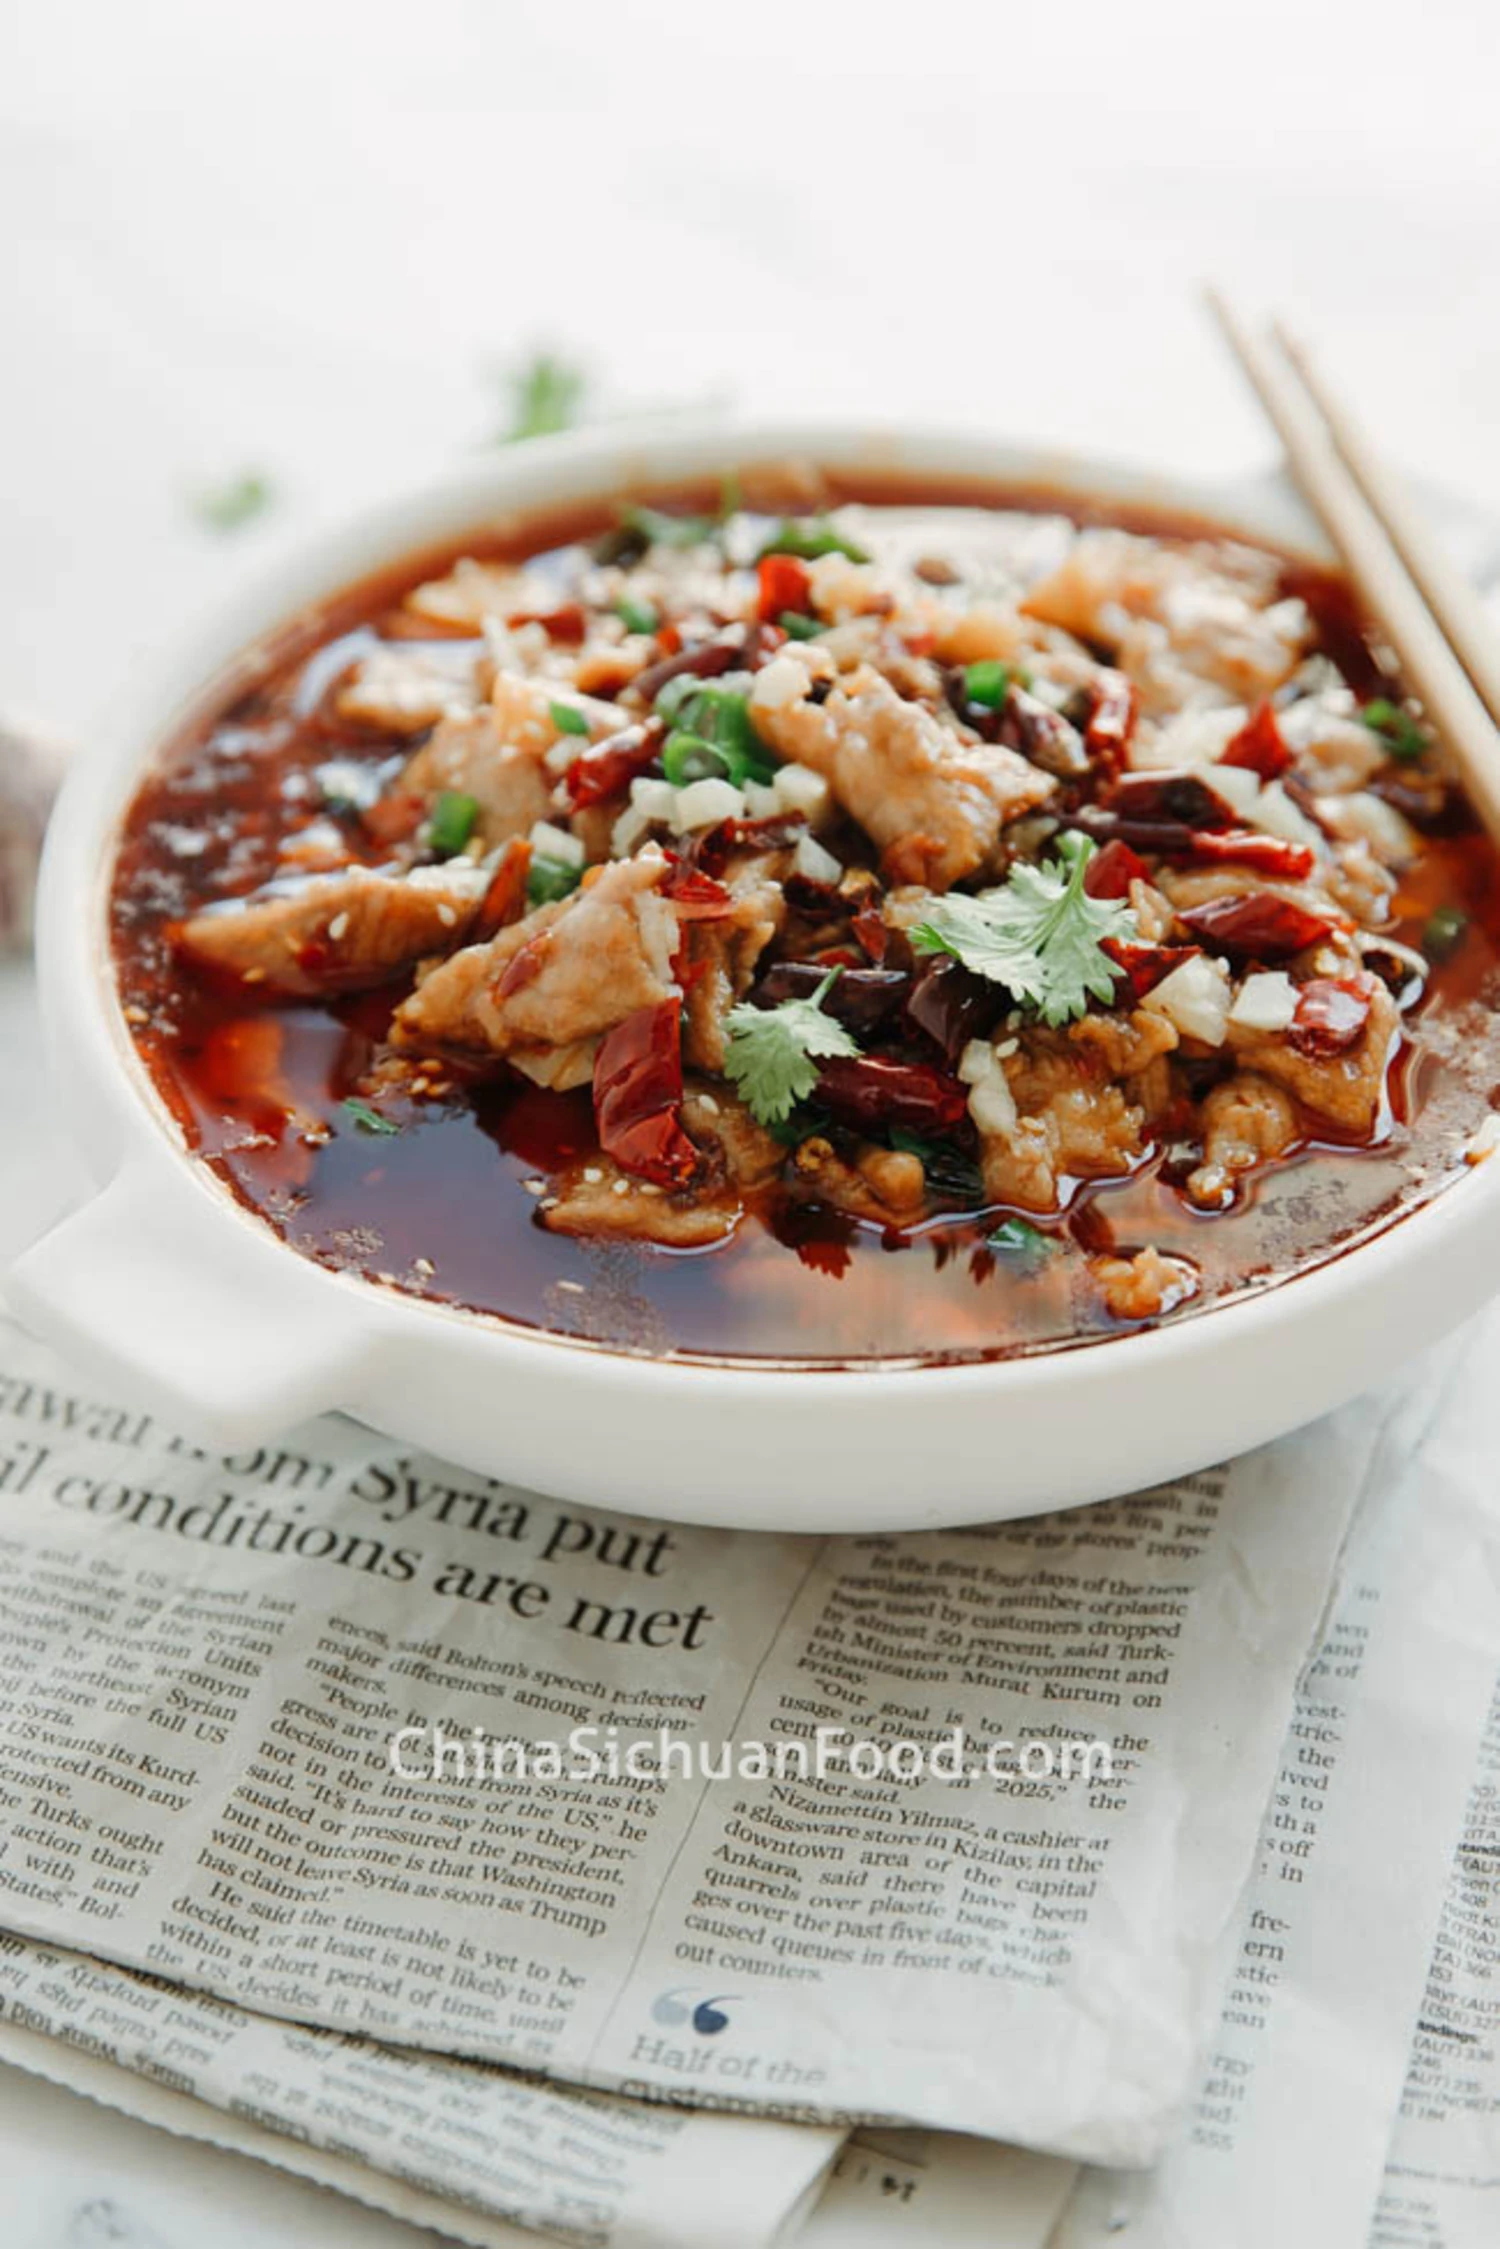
(1423, 606)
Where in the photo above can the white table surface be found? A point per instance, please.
(304, 236)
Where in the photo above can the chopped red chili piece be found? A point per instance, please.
(569, 621)
(1144, 966)
(1259, 746)
(865, 1091)
(695, 895)
(1332, 1012)
(1112, 870)
(785, 583)
(869, 928)
(638, 1096)
(525, 964)
(1111, 721)
(611, 765)
(1260, 926)
(505, 899)
(774, 831)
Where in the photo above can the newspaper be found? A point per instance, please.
(208, 1659)
(1286, 2138)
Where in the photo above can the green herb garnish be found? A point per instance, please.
(226, 507)
(798, 627)
(769, 1051)
(809, 536)
(987, 682)
(546, 395)
(567, 718)
(1443, 932)
(637, 616)
(367, 1119)
(452, 822)
(1039, 936)
(1399, 732)
(550, 879)
(1019, 1243)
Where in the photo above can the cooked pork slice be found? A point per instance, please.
(1347, 1089)
(471, 756)
(406, 689)
(1145, 1286)
(1184, 623)
(725, 1129)
(565, 973)
(336, 933)
(1246, 1121)
(721, 958)
(606, 1203)
(934, 803)
(881, 1185)
(1056, 1118)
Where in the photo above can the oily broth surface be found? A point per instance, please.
(447, 1207)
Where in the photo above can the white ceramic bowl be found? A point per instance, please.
(165, 1285)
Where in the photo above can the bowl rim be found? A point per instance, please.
(124, 1108)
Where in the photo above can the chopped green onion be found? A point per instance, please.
(1443, 932)
(688, 757)
(719, 717)
(808, 537)
(1397, 729)
(550, 879)
(987, 682)
(367, 1119)
(567, 718)
(1027, 1245)
(797, 627)
(452, 822)
(637, 616)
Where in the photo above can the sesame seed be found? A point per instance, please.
(574, 1288)
(424, 1266)
(535, 1186)
(338, 927)
(593, 1175)
(136, 1015)
(255, 976)
(446, 915)
(622, 1186)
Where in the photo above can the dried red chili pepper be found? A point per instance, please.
(611, 765)
(866, 1091)
(1112, 870)
(736, 648)
(1144, 966)
(785, 583)
(864, 999)
(505, 899)
(1111, 722)
(638, 1096)
(1259, 747)
(1042, 735)
(1332, 1012)
(1247, 847)
(1258, 926)
(774, 831)
(950, 1005)
(1186, 798)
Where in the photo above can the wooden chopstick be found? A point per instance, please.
(1448, 593)
(1389, 592)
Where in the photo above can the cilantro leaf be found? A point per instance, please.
(769, 1051)
(546, 394)
(1039, 936)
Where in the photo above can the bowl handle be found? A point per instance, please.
(231, 1340)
